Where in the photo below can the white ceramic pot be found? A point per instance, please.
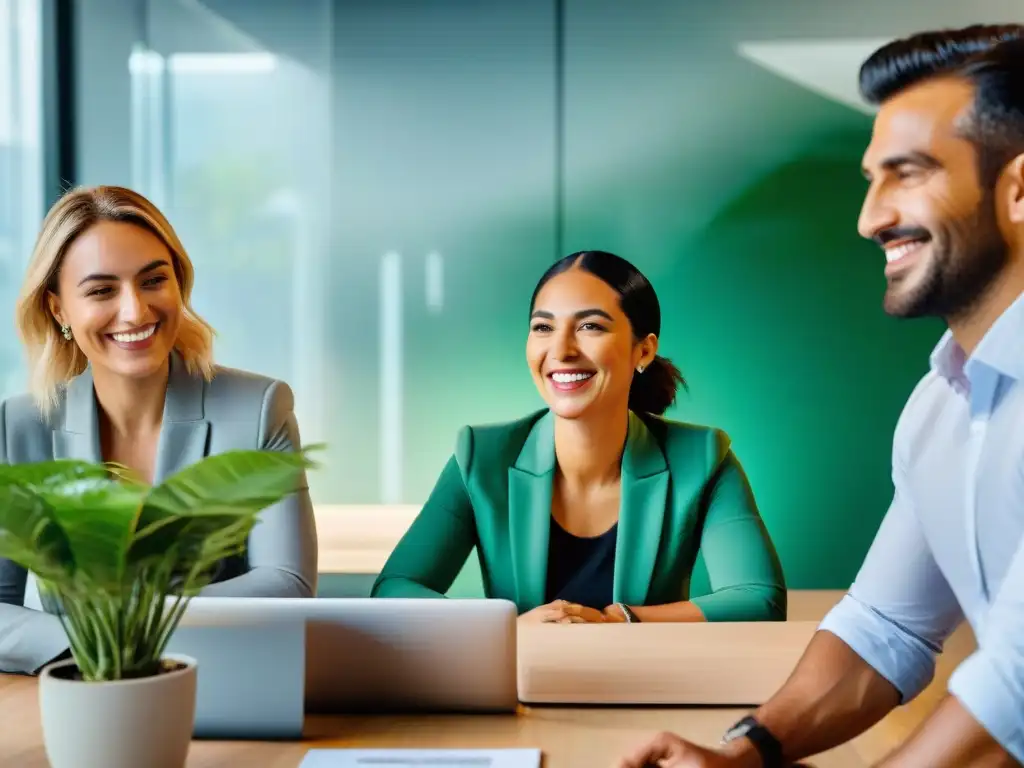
(141, 723)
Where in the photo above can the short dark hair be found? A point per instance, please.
(654, 390)
(996, 122)
(905, 62)
(989, 57)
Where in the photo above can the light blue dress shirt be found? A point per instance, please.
(951, 545)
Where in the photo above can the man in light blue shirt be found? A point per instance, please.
(945, 201)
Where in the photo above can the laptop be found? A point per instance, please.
(358, 655)
(250, 681)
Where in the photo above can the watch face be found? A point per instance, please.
(740, 729)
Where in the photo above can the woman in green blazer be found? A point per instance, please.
(594, 509)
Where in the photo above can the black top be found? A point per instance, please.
(581, 570)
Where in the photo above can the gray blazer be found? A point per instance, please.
(236, 410)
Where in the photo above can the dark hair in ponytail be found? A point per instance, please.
(654, 390)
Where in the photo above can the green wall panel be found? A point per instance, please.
(493, 137)
(737, 192)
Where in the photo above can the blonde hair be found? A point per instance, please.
(53, 360)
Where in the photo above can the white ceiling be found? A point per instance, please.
(827, 67)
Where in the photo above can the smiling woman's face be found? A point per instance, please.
(581, 350)
(118, 292)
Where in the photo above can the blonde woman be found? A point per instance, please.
(121, 370)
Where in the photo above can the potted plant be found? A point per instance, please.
(117, 561)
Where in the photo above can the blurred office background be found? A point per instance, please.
(370, 189)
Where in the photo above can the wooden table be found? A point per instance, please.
(569, 737)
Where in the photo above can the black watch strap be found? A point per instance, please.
(767, 746)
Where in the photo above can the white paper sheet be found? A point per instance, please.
(421, 758)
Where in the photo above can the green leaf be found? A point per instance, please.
(211, 496)
(98, 516)
(31, 536)
(44, 473)
(240, 479)
(119, 559)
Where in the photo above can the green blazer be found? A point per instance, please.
(683, 491)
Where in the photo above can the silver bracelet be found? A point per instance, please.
(630, 616)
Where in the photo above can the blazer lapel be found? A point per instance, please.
(644, 490)
(78, 436)
(184, 431)
(529, 507)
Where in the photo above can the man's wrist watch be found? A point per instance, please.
(767, 746)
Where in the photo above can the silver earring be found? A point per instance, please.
(66, 330)
(639, 369)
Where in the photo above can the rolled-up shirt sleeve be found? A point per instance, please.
(990, 682)
(900, 609)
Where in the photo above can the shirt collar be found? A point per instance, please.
(1001, 349)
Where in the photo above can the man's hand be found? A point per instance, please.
(666, 750)
(563, 612)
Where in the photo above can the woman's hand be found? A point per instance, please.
(613, 614)
(563, 612)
